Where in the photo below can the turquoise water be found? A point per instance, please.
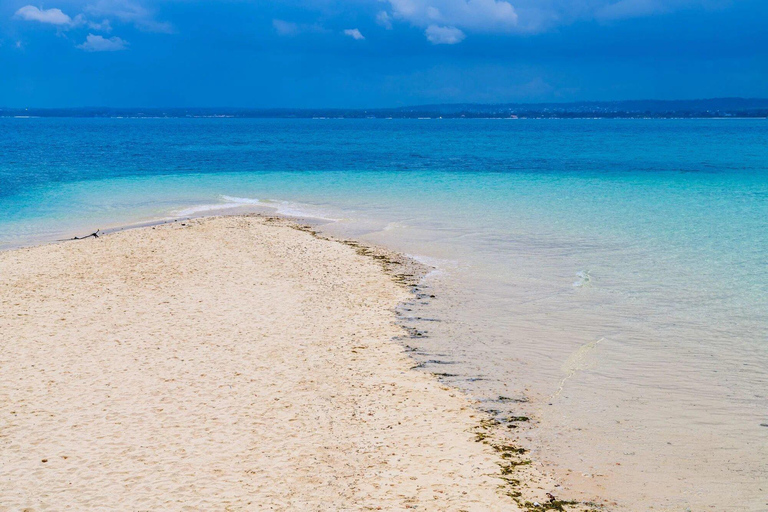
(611, 272)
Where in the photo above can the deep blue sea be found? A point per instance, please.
(610, 274)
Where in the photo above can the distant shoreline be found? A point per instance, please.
(631, 109)
(466, 118)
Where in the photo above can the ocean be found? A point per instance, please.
(609, 277)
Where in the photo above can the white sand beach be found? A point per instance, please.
(229, 363)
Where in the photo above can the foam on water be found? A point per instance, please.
(230, 202)
(287, 208)
(241, 200)
(299, 210)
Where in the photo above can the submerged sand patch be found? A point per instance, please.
(221, 364)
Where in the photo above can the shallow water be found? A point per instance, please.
(612, 273)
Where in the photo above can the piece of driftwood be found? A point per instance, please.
(95, 234)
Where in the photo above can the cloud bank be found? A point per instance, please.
(445, 20)
(523, 16)
(128, 11)
(478, 15)
(48, 16)
(120, 11)
(442, 21)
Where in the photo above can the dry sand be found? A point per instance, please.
(226, 364)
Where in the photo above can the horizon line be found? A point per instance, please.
(409, 106)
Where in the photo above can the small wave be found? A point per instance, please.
(290, 209)
(192, 210)
(241, 200)
(286, 208)
(230, 202)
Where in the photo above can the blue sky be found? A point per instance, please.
(358, 53)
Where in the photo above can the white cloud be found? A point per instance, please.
(384, 19)
(128, 11)
(532, 16)
(50, 16)
(94, 43)
(478, 15)
(354, 34)
(444, 35)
